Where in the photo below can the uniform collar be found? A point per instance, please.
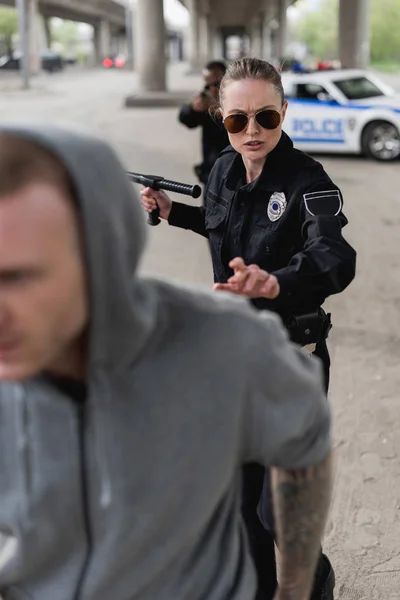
(272, 171)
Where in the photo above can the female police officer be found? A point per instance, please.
(274, 222)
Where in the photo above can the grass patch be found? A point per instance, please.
(387, 66)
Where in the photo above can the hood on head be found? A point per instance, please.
(114, 235)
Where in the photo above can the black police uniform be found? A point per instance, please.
(214, 137)
(289, 222)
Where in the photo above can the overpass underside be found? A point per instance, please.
(262, 24)
(107, 17)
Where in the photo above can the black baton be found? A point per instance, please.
(159, 183)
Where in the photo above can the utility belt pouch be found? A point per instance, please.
(309, 328)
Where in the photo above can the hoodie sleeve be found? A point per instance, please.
(287, 414)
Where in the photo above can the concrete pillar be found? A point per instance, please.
(194, 36)
(205, 45)
(217, 43)
(96, 45)
(102, 41)
(256, 38)
(123, 47)
(47, 31)
(354, 33)
(282, 31)
(129, 17)
(150, 45)
(34, 21)
(267, 31)
(267, 53)
(105, 38)
(175, 47)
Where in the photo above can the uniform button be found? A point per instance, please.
(267, 248)
(235, 240)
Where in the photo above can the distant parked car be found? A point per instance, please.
(114, 62)
(50, 61)
(8, 63)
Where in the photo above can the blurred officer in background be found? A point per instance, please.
(196, 114)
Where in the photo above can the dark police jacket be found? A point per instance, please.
(289, 222)
(214, 136)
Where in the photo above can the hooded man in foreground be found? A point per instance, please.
(129, 406)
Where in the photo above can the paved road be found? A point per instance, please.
(363, 533)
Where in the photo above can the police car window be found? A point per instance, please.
(289, 90)
(358, 88)
(309, 91)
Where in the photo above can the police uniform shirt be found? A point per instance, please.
(288, 221)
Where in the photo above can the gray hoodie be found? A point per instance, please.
(137, 495)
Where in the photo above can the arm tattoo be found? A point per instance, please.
(301, 502)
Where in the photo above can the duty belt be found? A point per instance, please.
(309, 329)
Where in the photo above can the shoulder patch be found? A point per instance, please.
(327, 202)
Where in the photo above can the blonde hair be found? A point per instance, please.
(249, 68)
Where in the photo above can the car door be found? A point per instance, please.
(315, 121)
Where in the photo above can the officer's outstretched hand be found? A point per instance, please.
(150, 199)
(250, 281)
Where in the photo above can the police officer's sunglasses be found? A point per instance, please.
(267, 119)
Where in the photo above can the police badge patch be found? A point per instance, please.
(324, 203)
(276, 206)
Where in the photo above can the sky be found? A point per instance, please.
(175, 13)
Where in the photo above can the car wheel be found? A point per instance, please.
(381, 140)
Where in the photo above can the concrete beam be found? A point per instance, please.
(87, 11)
(232, 13)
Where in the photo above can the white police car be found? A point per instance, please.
(343, 111)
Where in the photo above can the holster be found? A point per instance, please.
(309, 328)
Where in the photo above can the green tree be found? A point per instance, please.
(8, 28)
(385, 30)
(67, 34)
(319, 29)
